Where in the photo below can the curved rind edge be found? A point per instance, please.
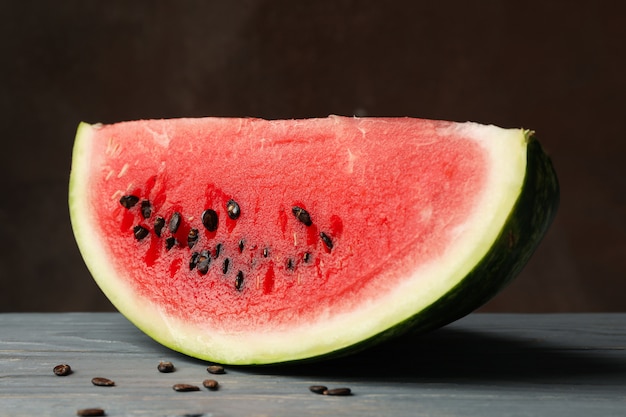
(521, 235)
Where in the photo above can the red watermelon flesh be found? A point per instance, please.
(400, 210)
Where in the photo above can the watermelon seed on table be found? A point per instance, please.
(85, 412)
(165, 367)
(140, 232)
(185, 387)
(102, 382)
(62, 370)
(210, 219)
(210, 384)
(318, 389)
(215, 369)
(129, 201)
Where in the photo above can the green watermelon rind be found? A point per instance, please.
(519, 238)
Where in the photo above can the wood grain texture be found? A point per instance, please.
(483, 365)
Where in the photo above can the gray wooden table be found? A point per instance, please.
(483, 365)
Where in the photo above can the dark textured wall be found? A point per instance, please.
(556, 67)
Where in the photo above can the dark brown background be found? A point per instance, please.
(556, 67)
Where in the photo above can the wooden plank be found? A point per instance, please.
(483, 365)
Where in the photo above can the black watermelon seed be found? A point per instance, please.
(318, 389)
(140, 232)
(62, 370)
(90, 412)
(302, 215)
(204, 260)
(266, 252)
(102, 382)
(306, 257)
(129, 201)
(210, 384)
(239, 281)
(192, 238)
(159, 224)
(215, 369)
(338, 391)
(289, 264)
(327, 241)
(146, 209)
(174, 222)
(193, 261)
(233, 210)
(218, 250)
(241, 245)
(185, 387)
(170, 242)
(165, 367)
(225, 266)
(210, 220)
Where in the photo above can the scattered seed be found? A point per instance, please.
(215, 369)
(146, 209)
(338, 391)
(266, 252)
(140, 232)
(102, 382)
(210, 220)
(165, 367)
(239, 281)
(289, 264)
(327, 241)
(302, 215)
(233, 210)
(185, 387)
(170, 242)
(241, 245)
(192, 238)
(193, 261)
(90, 412)
(159, 224)
(62, 370)
(218, 250)
(204, 260)
(174, 222)
(129, 201)
(318, 389)
(225, 266)
(211, 384)
(306, 257)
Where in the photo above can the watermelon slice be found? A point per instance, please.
(248, 241)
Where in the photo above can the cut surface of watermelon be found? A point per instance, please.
(248, 241)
